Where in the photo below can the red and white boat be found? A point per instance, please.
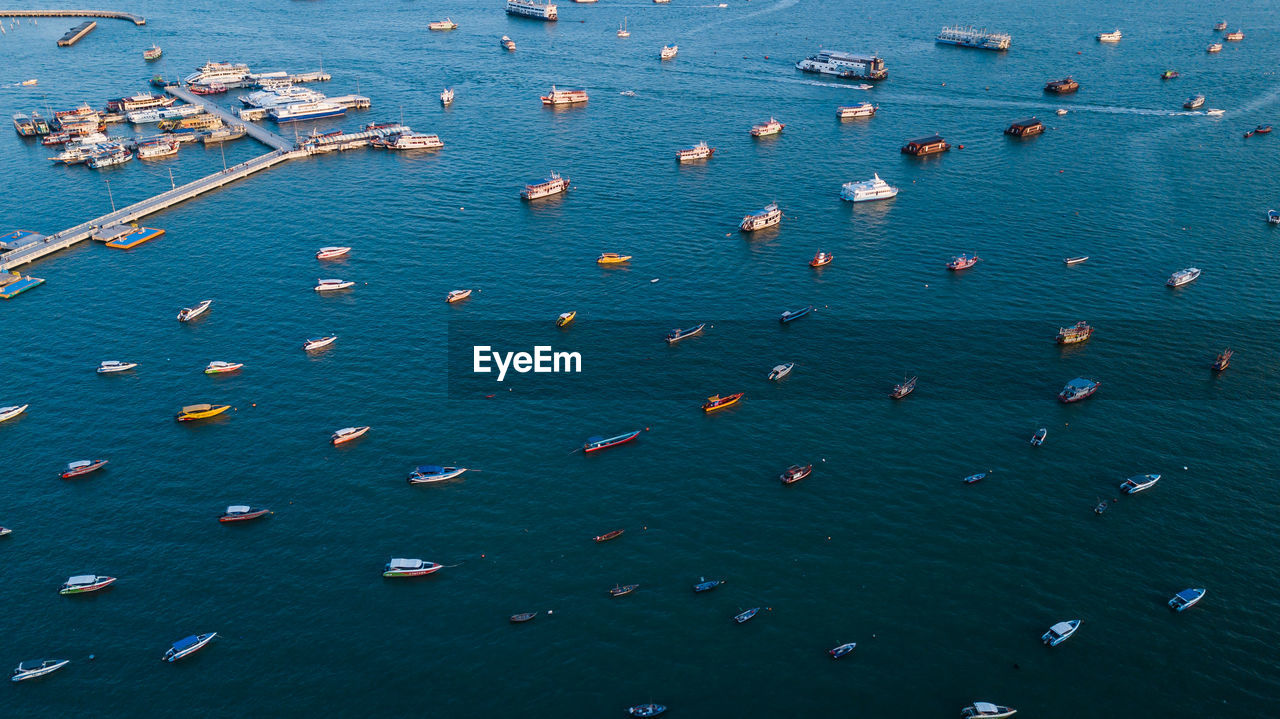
(242, 513)
(553, 184)
(795, 473)
(85, 583)
(213, 88)
(348, 434)
(821, 258)
(332, 253)
(564, 97)
(83, 466)
(963, 262)
(595, 444)
(220, 367)
(699, 151)
(400, 567)
(772, 127)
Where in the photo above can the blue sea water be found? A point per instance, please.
(945, 587)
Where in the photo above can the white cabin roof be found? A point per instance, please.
(1061, 628)
(83, 579)
(401, 563)
(237, 509)
(986, 707)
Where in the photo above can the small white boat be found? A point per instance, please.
(446, 96)
(781, 371)
(1062, 111)
(987, 710)
(1139, 483)
(220, 367)
(1215, 112)
(4, 531)
(457, 295)
(668, 52)
(38, 668)
(330, 253)
(1076, 260)
(315, 343)
(428, 473)
(190, 313)
(333, 285)
(445, 24)
(1186, 599)
(1060, 632)
(622, 29)
(111, 366)
(12, 411)
(1273, 217)
(1182, 277)
(187, 645)
(1113, 36)
(347, 434)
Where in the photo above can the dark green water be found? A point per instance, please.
(946, 588)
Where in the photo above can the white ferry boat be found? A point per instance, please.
(157, 149)
(865, 109)
(143, 101)
(1113, 36)
(973, 37)
(255, 99)
(117, 156)
(1182, 277)
(218, 72)
(564, 97)
(760, 219)
(699, 151)
(409, 141)
(445, 24)
(554, 184)
(845, 64)
(143, 117)
(532, 8)
(300, 95)
(1236, 36)
(668, 52)
(298, 112)
(867, 190)
(772, 127)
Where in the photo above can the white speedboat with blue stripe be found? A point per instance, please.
(188, 645)
(37, 668)
(1186, 599)
(1060, 632)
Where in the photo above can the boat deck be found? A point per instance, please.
(16, 288)
(135, 237)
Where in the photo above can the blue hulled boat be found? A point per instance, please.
(791, 315)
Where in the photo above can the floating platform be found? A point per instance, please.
(17, 239)
(134, 237)
(77, 33)
(358, 102)
(15, 284)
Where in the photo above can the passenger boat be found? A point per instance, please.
(1223, 360)
(7, 413)
(1063, 86)
(332, 253)
(986, 710)
(902, 390)
(301, 111)
(445, 24)
(508, 44)
(746, 616)
(1220, 26)
(141, 101)
(647, 710)
(963, 262)
(1075, 260)
(332, 285)
(109, 158)
(446, 96)
(1078, 389)
(1215, 47)
(612, 258)
(925, 146)
(190, 313)
(1186, 599)
(85, 583)
(1038, 438)
(242, 513)
(213, 88)
(22, 123)
(622, 29)
(668, 52)
(113, 366)
(706, 585)
(37, 668)
(975, 478)
(457, 296)
(1169, 74)
(220, 367)
(1273, 217)
(595, 444)
(564, 97)
(315, 343)
(793, 315)
(83, 466)
(523, 617)
(1194, 102)
(348, 434)
(552, 184)
(1235, 36)
(769, 216)
(159, 148)
(565, 318)
(1060, 632)
(1113, 36)
(868, 190)
(973, 37)
(764, 129)
(842, 650)
(1139, 483)
(623, 589)
(821, 259)
(676, 335)
(1030, 127)
(795, 473)
(781, 371)
(187, 646)
(1079, 332)
(699, 151)
(716, 402)
(532, 8)
(1182, 277)
(152, 53)
(57, 138)
(866, 109)
(609, 535)
(431, 473)
(201, 411)
(401, 567)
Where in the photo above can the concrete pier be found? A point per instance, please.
(257, 132)
(135, 19)
(77, 33)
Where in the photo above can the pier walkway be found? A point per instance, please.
(135, 19)
(258, 132)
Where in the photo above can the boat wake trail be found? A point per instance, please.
(1027, 104)
(815, 83)
(783, 5)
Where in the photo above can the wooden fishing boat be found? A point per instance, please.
(1038, 438)
(1262, 129)
(220, 367)
(316, 343)
(1223, 360)
(963, 262)
(201, 411)
(457, 296)
(609, 535)
(716, 402)
(242, 513)
(348, 434)
(565, 318)
(821, 259)
(332, 253)
(400, 568)
(612, 258)
(1076, 260)
(623, 589)
(523, 617)
(1079, 332)
(430, 473)
(795, 473)
(85, 583)
(781, 371)
(792, 315)
(676, 335)
(187, 646)
(83, 466)
(746, 616)
(190, 313)
(902, 390)
(597, 443)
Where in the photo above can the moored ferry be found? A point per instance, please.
(156, 149)
(220, 72)
(409, 141)
(553, 184)
(868, 190)
(772, 127)
(22, 123)
(865, 109)
(213, 88)
(1079, 332)
(532, 8)
(564, 97)
(141, 101)
(306, 111)
(845, 64)
(973, 37)
(762, 218)
(109, 158)
(699, 151)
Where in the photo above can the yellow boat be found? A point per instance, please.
(716, 402)
(564, 319)
(612, 258)
(201, 411)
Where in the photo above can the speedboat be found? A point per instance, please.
(1078, 389)
(842, 650)
(1169, 74)
(188, 645)
(623, 589)
(646, 710)
(1076, 260)
(595, 444)
(747, 615)
(1139, 483)
(608, 535)
(1186, 599)
(347, 434)
(795, 473)
(1182, 277)
(111, 366)
(1038, 438)
(201, 411)
(1100, 507)
(973, 478)
(668, 52)
(676, 335)
(707, 585)
(781, 371)
(10, 412)
(37, 668)
(963, 262)
(190, 313)
(1194, 103)
(220, 367)
(85, 583)
(457, 296)
(791, 315)
(446, 96)
(1060, 632)
(1273, 217)
(716, 402)
(987, 710)
(400, 567)
(83, 466)
(332, 285)
(821, 259)
(1224, 360)
(331, 253)
(242, 513)
(315, 343)
(4, 531)
(428, 473)
(565, 318)
(902, 390)
(612, 258)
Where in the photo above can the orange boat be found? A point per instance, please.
(822, 258)
(612, 258)
(716, 402)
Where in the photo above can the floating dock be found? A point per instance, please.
(77, 33)
(320, 76)
(135, 19)
(315, 144)
(357, 102)
(126, 237)
(12, 285)
(17, 239)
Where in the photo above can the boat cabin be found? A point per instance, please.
(926, 146)
(1025, 128)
